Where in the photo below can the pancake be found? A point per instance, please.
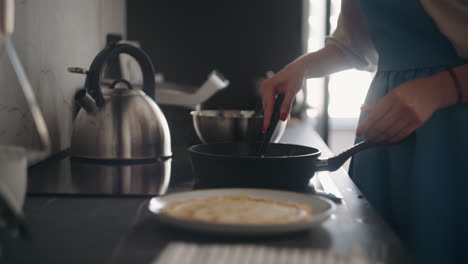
(238, 209)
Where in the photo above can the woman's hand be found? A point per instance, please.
(288, 82)
(405, 108)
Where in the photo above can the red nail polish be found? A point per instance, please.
(264, 128)
(365, 108)
(283, 116)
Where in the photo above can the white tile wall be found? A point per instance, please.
(49, 36)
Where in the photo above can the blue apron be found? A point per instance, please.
(416, 185)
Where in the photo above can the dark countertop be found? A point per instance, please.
(90, 228)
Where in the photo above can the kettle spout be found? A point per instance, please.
(85, 101)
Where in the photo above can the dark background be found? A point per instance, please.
(243, 39)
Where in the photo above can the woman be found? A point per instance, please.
(417, 102)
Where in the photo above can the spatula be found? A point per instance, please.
(266, 137)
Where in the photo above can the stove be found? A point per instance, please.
(63, 175)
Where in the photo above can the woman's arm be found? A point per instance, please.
(451, 17)
(289, 80)
(348, 47)
(409, 105)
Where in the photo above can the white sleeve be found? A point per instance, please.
(353, 38)
(451, 17)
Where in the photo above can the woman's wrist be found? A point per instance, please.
(448, 87)
(457, 85)
(299, 66)
(445, 89)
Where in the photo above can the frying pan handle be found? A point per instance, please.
(334, 163)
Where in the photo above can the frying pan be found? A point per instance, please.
(284, 166)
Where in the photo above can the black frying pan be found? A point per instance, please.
(284, 166)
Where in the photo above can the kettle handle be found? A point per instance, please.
(92, 83)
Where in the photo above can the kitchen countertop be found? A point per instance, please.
(90, 228)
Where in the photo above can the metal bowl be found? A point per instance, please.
(214, 126)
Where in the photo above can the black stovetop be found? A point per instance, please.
(63, 175)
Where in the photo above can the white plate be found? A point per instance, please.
(321, 210)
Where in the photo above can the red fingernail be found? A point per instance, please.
(365, 107)
(283, 116)
(264, 128)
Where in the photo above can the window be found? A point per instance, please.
(347, 89)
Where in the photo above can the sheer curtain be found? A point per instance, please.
(347, 89)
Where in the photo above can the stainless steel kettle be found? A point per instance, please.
(119, 123)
